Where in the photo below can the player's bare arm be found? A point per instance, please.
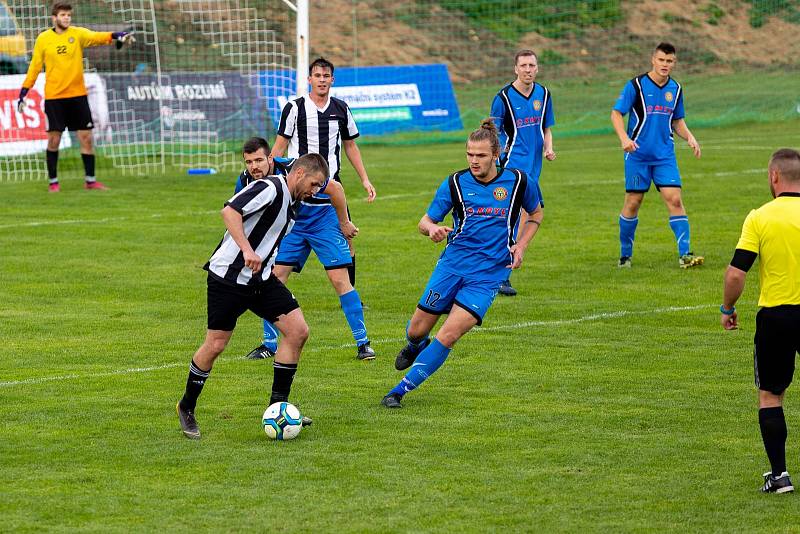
(339, 201)
(354, 155)
(533, 221)
(628, 144)
(430, 228)
(280, 146)
(680, 128)
(549, 153)
(734, 286)
(235, 225)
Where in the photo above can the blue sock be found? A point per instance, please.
(354, 313)
(270, 336)
(428, 361)
(627, 229)
(680, 227)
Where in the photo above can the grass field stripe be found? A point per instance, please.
(515, 326)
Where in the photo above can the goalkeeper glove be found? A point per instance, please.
(21, 101)
(123, 38)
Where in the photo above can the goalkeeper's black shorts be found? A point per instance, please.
(68, 113)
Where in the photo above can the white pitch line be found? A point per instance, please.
(478, 330)
(106, 220)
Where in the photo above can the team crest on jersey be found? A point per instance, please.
(71, 40)
(500, 193)
(537, 105)
(668, 96)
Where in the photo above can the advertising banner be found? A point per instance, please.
(192, 106)
(384, 99)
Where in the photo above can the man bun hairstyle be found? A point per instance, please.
(321, 63)
(667, 48)
(787, 162)
(254, 143)
(312, 163)
(486, 132)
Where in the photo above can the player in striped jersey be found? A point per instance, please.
(488, 204)
(655, 103)
(323, 124)
(321, 225)
(240, 278)
(523, 114)
(60, 51)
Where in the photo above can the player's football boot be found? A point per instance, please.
(690, 260)
(94, 185)
(306, 421)
(365, 352)
(408, 354)
(392, 400)
(779, 484)
(261, 352)
(625, 262)
(188, 423)
(54, 187)
(506, 289)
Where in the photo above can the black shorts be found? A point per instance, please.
(777, 342)
(68, 113)
(227, 302)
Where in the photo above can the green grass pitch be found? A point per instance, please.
(597, 400)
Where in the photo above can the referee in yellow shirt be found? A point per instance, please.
(60, 51)
(773, 233)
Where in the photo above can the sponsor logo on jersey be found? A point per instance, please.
(71, 40)
(500, 193)
(668, 96)
(537, 105)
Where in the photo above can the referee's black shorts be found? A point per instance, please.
(777, 342)
(227, 302)
(68, 113)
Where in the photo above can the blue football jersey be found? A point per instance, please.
(521, 122)
(652, 109)
(485, 220)
(308, 211)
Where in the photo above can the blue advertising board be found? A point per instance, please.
(383, 100)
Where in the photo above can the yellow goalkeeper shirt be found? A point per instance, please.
(773, 232)
(62, 56)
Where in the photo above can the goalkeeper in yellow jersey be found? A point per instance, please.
(60, 51)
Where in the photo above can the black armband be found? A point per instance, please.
(743, 259)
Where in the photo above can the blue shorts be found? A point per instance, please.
(639, 174)
(445, 289)
(323, 236)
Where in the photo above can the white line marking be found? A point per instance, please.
(107, 219)
(478, 330)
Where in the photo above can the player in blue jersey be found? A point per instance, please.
(488, 204)
(523, 114)
(655, 104)
(322, 225)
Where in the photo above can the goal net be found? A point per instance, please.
(198, 80)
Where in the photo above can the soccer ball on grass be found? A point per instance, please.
(282, 421)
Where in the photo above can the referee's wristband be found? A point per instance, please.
(723, 311)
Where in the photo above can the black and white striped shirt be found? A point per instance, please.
(313, 130)
(267, 214)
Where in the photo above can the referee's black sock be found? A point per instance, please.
(282, 377)
(52, 165)
(773, 432)
(351, 270)
(194, 386)
(88, 166)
